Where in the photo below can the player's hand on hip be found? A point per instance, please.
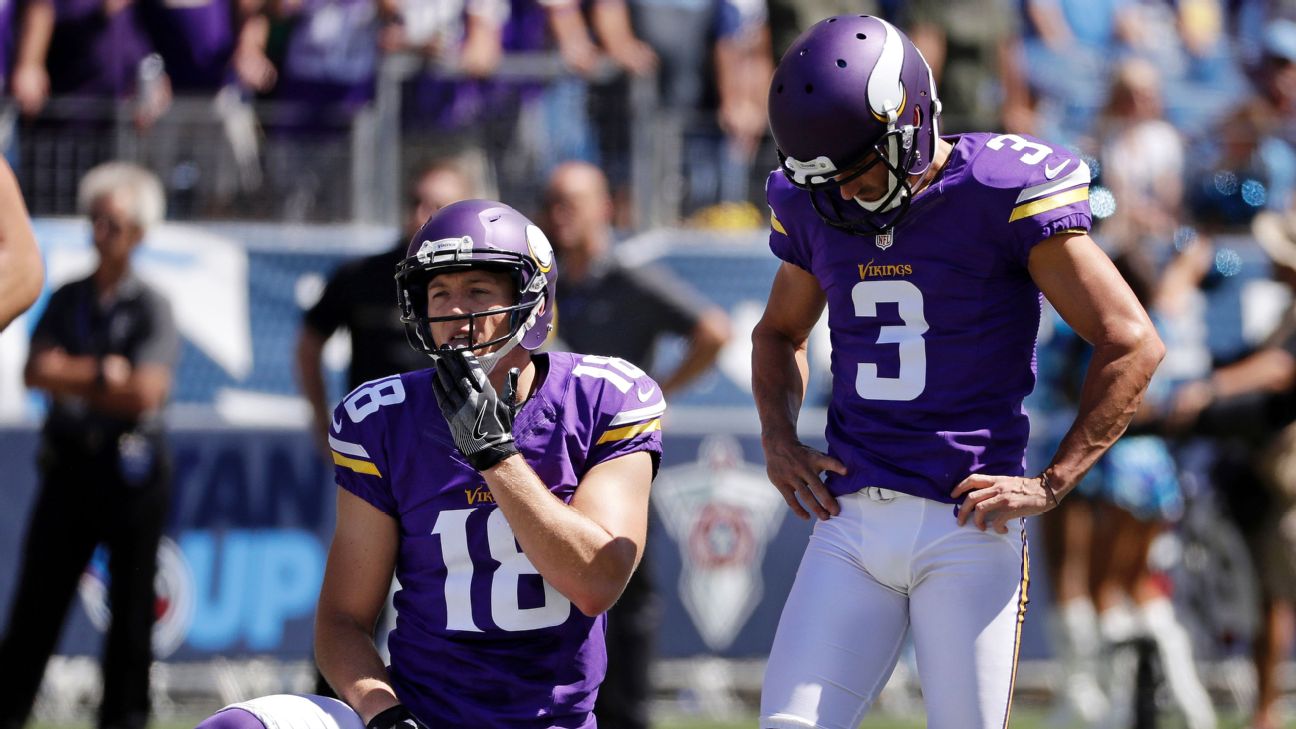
(794, 468)
(993, 501)
(480, 421)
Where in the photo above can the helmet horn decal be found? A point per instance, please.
(886, 91)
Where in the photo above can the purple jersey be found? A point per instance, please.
(94, 54)
(195, 37)
(481, 640)
(933, 325)
(8, 31)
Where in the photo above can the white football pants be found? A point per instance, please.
(887, 564)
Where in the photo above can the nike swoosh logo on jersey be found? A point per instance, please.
(1051, 172)
(337, 424)
(643, 395)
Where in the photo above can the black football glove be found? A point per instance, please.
(480, 421)
(394, 717)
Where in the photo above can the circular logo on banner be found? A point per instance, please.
(173, 604)
(722, 537)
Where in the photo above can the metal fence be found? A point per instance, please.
(235, 158)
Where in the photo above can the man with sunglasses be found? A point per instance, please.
(930, 255)
(103, 350)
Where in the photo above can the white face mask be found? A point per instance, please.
(893, 155)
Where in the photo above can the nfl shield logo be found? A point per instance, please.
(884, 240)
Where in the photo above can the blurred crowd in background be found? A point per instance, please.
(288, 110)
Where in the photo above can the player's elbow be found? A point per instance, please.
(713, 331)
(1139, 344)
(599, 596)
(591, 605)
(607, 581)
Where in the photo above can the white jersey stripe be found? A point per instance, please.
(638, 414)
(350, 449)
(1079, 176)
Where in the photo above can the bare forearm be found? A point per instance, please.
(62, 375)
(1114, 386)
(696, 361)
(708, 338)
(349, 661)
(780, 374)
(80, 376)
(34, 37)
(310, 375)
(577, 556)
(130, 400)
(611, 22)
(1268, 370)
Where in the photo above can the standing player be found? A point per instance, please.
(507, 490)
(930, 255)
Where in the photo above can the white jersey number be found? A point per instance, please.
(1036, 151)
(365, 401)
(615, 370)
(452, 527)
(912, 379)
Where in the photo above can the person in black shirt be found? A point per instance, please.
(615, 310)
(104, 351)
(361, 297)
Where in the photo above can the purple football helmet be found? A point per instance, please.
(486, 234)
(852, 92)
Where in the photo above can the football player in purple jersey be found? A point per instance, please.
(930, 254)
(507, 491)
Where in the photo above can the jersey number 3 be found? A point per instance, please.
(505, 612)
(912, 378)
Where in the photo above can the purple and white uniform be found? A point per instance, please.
(481, 640)
(933, 326)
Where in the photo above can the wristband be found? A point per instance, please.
(1044, 481)
(394, 717)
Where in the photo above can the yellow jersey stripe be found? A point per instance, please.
(356, 465)
(1045, 204)
(775, 224)
(629, 431)
(1022, 600)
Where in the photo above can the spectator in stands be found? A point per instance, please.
(613, 310)
(734, 37)
(789, 18)
(1142, 158)
(104, 351)
(209, 43)
(975, 53)
(1254, 395)
(330, 58)
(360, 297)
(21, 270)
(96, 51)
(1137, 497)
(1068, 46)
(1275, 79)
(327, 74)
